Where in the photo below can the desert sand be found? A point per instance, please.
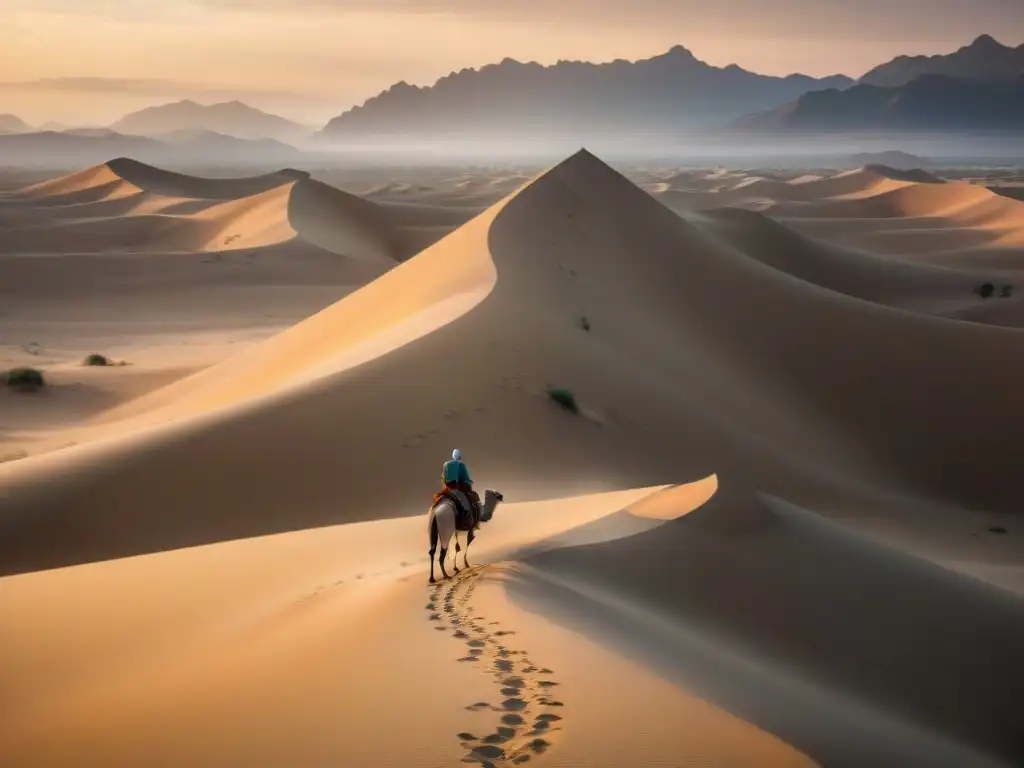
(763, 539)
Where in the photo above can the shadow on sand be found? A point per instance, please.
(852, 652)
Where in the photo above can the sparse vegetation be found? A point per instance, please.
(564, 398)
(24, 379)
(98, 360)
(584, 324)
(988, 290)
(997, 529)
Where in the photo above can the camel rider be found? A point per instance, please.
(455, 476)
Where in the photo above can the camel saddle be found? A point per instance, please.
(467, 508)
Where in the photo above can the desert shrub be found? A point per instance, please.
(97, 359)
(985, 290)
(1006, 292)
(23, 378)
(564, 398)
(584, 324)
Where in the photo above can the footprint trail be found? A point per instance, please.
(527, 713)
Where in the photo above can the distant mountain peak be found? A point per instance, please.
(680, 51)
(987, 41)
(985, 58)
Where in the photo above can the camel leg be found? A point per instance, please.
(433, 548)
(457, 550)
(440, 561)
(465, 555)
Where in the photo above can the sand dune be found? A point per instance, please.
(98, 181)
(363, 346)
(124, 258)
(695, 191)
(910, 215)
(965, 203)
(427, 300)
(883, 280)
(159, 181)
(231, 537)
(163, 211)
(754, 581)
(210, 616)
(730, 187)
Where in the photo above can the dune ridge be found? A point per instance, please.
(536, 243)
(520, 261)
(766, 517)
(781, 587)
(906, 215)
(171, 211)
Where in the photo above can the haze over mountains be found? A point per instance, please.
(183, 131)
(662, 95)
(90, 146)
(13, 124)
(660, 100)
(231, 118)
(977, 87)
(90, 100)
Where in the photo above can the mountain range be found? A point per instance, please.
(984, 59)
(231, 118)
(934, 103)
(90, 146)
(662, 95)
(978, 86)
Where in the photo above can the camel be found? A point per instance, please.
(442, 526)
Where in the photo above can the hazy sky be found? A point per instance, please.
(336, 52)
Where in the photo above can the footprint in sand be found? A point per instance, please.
(525, 724)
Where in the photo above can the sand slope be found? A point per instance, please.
(757, 579)
(875, 278)
(750, 359)
(665, 356)
(904, 214)
(158, 210)
(168, 272)
(236, 651)
(309, 375)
